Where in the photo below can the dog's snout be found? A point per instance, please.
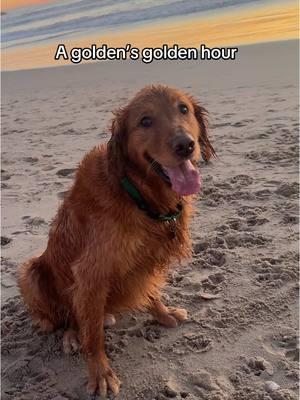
(183, 146)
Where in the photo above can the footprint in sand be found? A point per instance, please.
(8, 266)
(66, 173)
(245, 239)
(212, 257)
(5, 176)
(62, 195)
(285, 343)
(34, 222)
(251, 211)
(255, 220)
(48, 168)
(7, 280)
(263, 193)
(245, 224)
(150, 331)
(290, 219)
(275, 272)
(237, 224)
(270, 158)
(207, 385)
(220, 125)
(257, 365)
(114, 345)
(244, 122)
(194, 342)
(242, 180)
(223, 192)
(31, 160)
(288, 189)
(5, 241)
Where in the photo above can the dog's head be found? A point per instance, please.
(162, 131)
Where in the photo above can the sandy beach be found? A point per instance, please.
(241, 285)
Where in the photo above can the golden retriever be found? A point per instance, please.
(124, 221)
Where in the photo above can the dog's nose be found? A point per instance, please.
(184, 146)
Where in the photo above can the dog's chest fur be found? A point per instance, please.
(141, 262)
(144, 245)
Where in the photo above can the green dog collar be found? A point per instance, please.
(136, 196)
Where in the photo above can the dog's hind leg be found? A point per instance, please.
(109, 320)
(37, 288)
(71, 342)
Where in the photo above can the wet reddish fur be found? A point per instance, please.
(104, 255)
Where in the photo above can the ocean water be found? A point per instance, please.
(58, 20)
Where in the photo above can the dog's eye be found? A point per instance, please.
(183, 109)
(146, 122)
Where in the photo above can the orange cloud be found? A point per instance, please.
(9, 4)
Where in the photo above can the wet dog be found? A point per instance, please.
(123, 223)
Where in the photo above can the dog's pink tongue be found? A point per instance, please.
(185, 179)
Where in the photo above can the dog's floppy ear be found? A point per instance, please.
(116, 147)
(207, 151)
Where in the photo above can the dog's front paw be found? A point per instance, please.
(103, 383)
(173, 317)
(179, 313)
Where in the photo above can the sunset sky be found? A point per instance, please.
(9, 4)
(30, 38)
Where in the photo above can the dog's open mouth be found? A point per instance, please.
(185, 178)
